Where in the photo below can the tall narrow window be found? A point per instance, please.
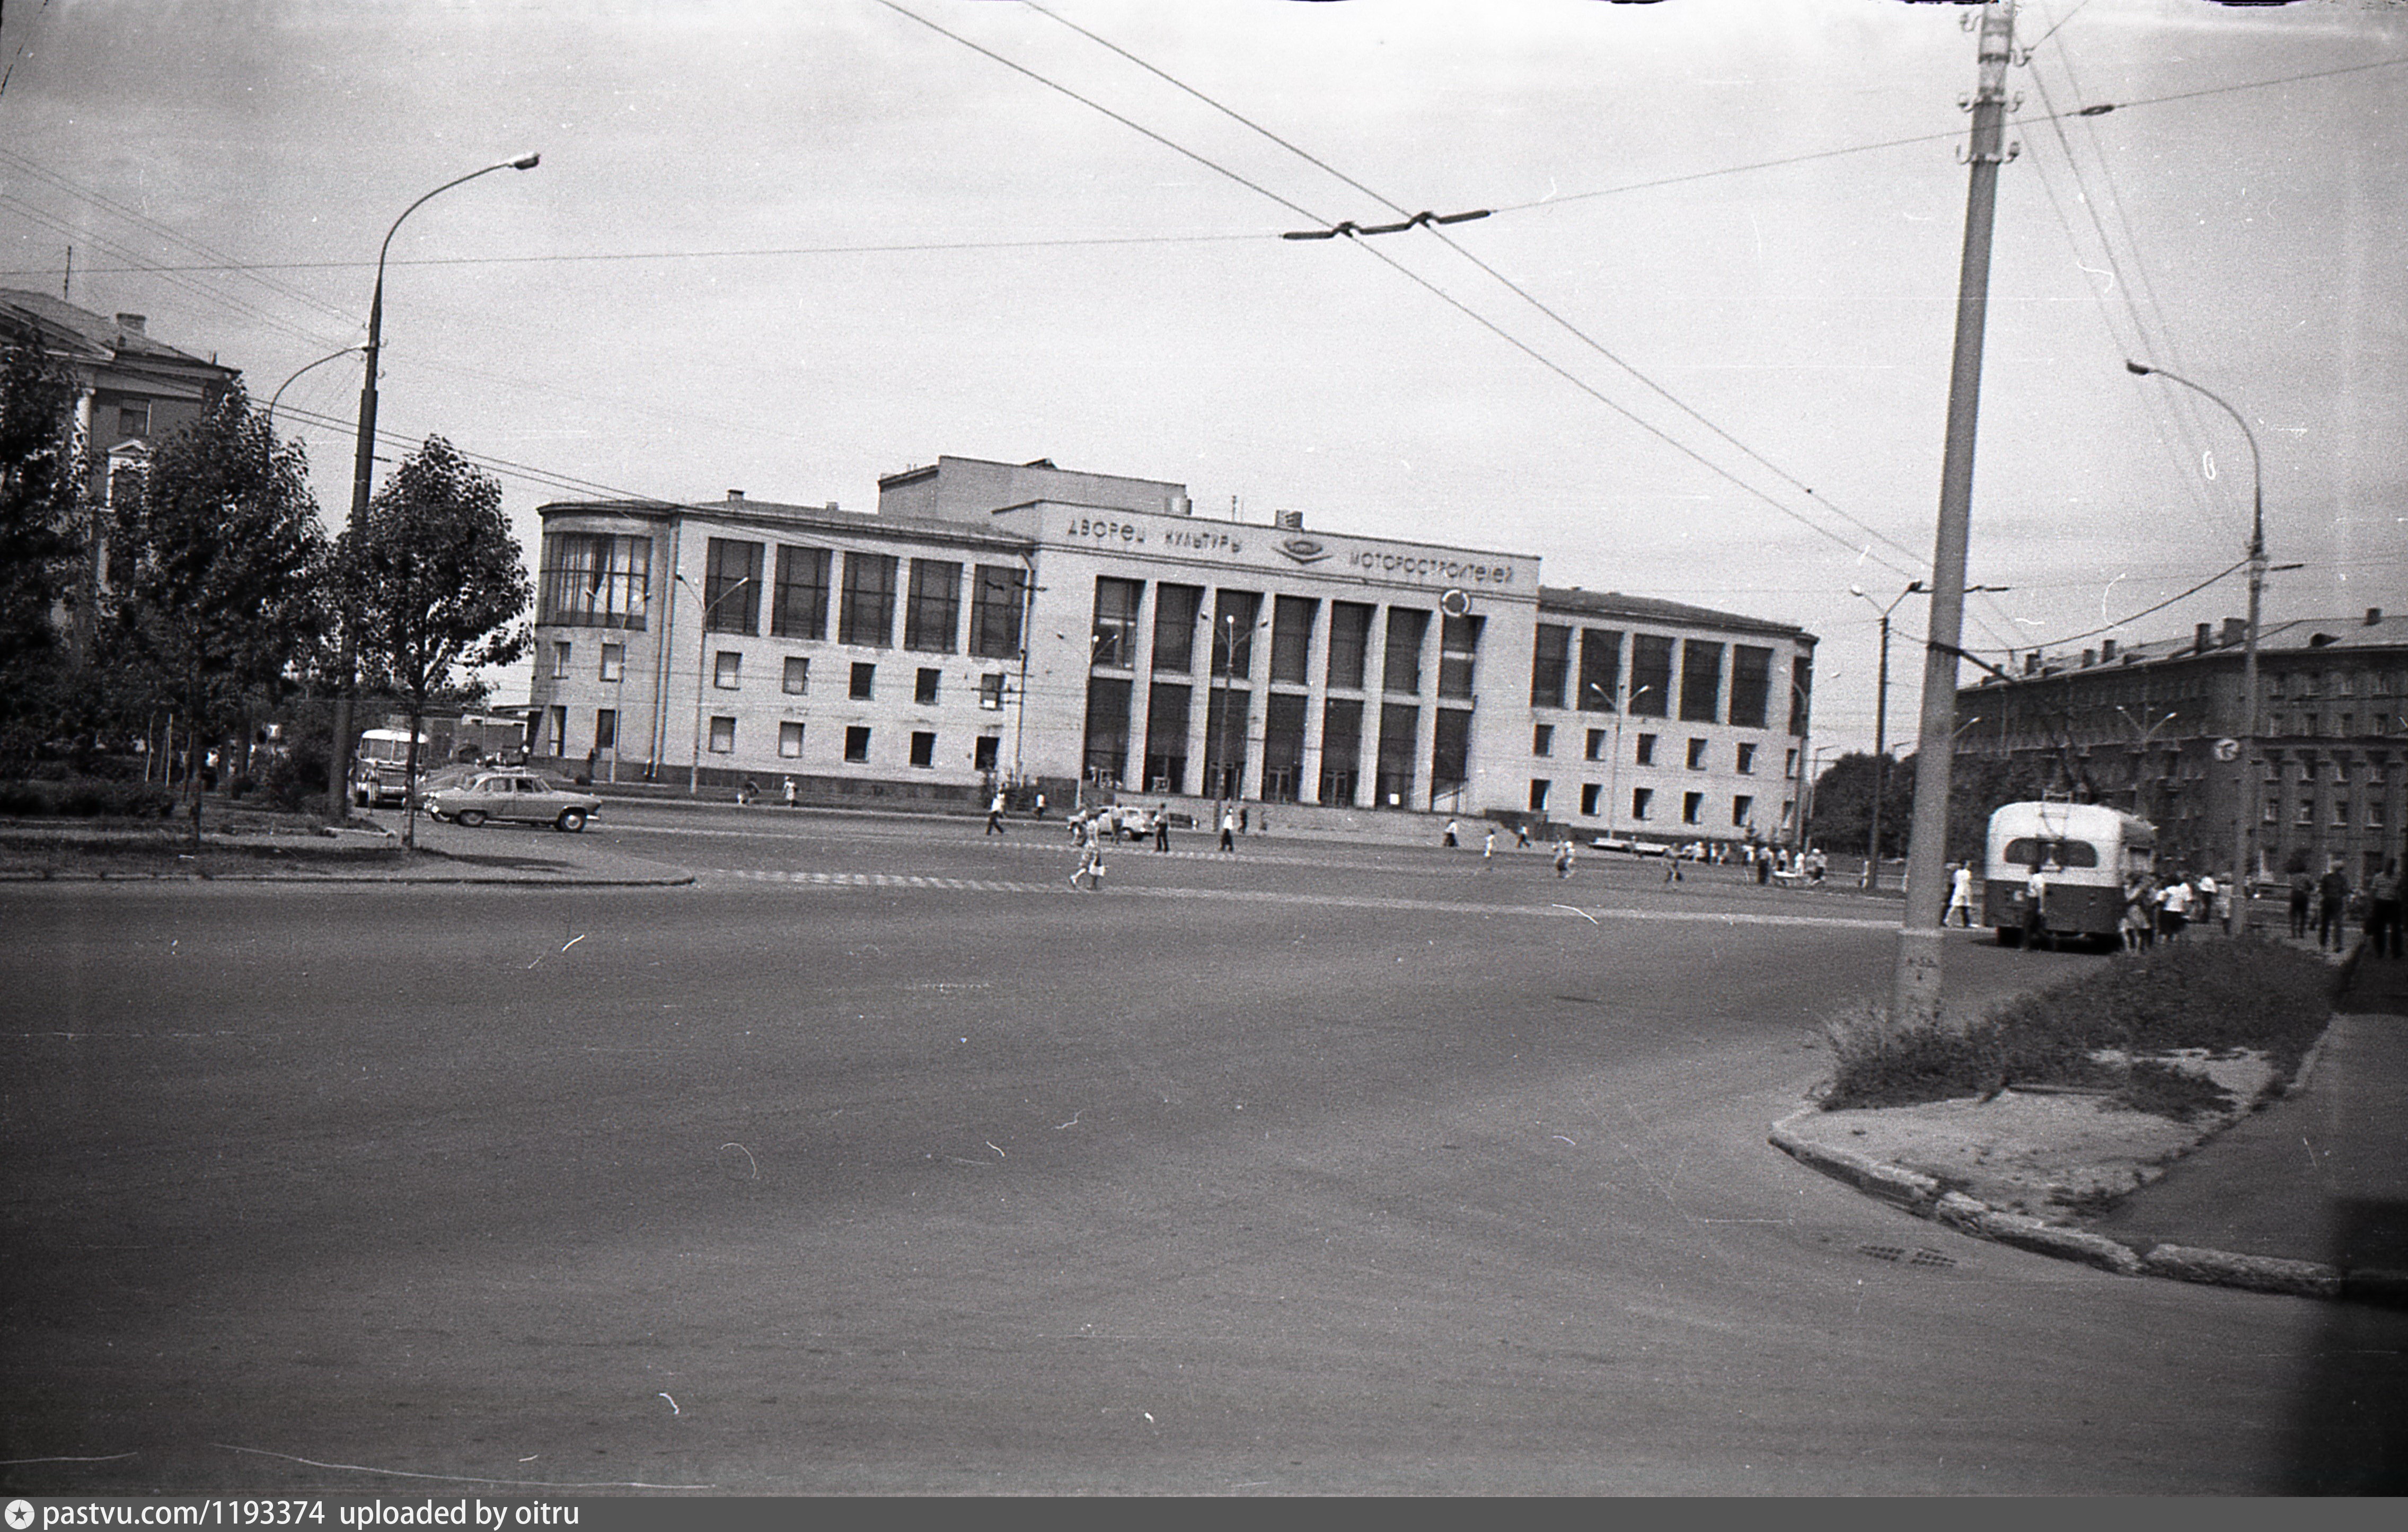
(1341, 746)
(1701, 680)
(1350, 644)
(1234, 615)
(1751, 685)
(614, 661)
(1550, 664)
(798, 606)
(1108, 729)
(1291, 637)
(1112, 639)
(731, 587)
(1399, 725)
(995, 601)
(936, 606)
(595, 578)
(1176, 608)
(1600, 670)
(1401, 660)
(868, 615)
(1651, 675)
(1801, 693)
(1458, 656)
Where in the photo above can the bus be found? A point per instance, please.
(381, 767)
(2087, 851)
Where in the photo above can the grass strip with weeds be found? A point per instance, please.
(2223, 997)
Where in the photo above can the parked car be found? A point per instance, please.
(513, 796)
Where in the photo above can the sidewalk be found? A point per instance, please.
(445, 854)
(2320, 1176)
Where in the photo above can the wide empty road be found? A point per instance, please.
(880, 1161)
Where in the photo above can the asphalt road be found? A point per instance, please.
(880, 1161)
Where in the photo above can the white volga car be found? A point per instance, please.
(513, 796)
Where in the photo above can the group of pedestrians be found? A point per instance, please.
(2159, 909)
(2331, 901)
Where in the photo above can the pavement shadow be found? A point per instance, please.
(2349, 1427)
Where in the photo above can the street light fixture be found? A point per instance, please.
(338, 766)
(2244, 783)
(1614, 772)
(702, 662)
(1881, 731)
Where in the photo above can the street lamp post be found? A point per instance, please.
(338, 765)
(2244, 782)
(1881, 731)
(1614, 772)
(701, 661)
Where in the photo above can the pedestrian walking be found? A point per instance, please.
(2135, 920)
(2383, 912)
(2203, 909)
(2173, 909)
(1488, 845)
(791, 802)
(1162, 829)
(1520, 835)
(2333, 907)
(994, 815)
(2303, 898)
(1091, 857)
(1040, 806)
(1448, 839)
(1563, 856)
(2036, 906)
(1960, 894)
(1228, 829)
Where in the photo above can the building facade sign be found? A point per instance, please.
(1417, 566)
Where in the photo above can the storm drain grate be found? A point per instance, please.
(1904, 1256)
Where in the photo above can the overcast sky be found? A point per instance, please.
(1700, 351)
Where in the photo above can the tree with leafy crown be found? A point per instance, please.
(217, 573)
(438, 586)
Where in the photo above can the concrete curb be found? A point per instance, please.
(1923, 1196)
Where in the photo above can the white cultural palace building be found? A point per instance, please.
(1027, 628)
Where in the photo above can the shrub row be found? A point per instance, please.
(86, 797)
(2217, 996)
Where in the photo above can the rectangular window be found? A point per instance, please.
(997, 599)
(1646, 756)
(1542, 739)
(1108, 730)
(2340, 813)
(934, 610)
(1291, 637)
(1600, 670)
(559, 660)
(1551, 648)
(856, 742)
(865, 681)
(1801, 693)
(731, 587)
(991, 690)
(1400, 726)
(606, 728)
(1449, 751)
(1458, 656)
(1176, 610)
(614, 661)
(798, 606)
(1751, 685)
(790, 741)
(1350, 644)
(1539, 788)
(1234, 615)
(1696, 755)
(1693, 804)
(1283, 746)
(1113, 640)
(595, 580)
(984, 753)
(1227, 711)
(924, 689)
(723, 735)
(1743, 812)
(1701, 681)
(1590, 792)
(132, 419)
(867, 616)
(1651, 675)
(727, 670)
(924, 748)
(1402, 661)
(798, 682)
(1341, 741)
(1745, 764)
(1642, 798)
(1165, 736)
(2307, 812)
(1595, 750)
(557, 717)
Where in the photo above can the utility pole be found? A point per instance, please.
(1914, 997)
